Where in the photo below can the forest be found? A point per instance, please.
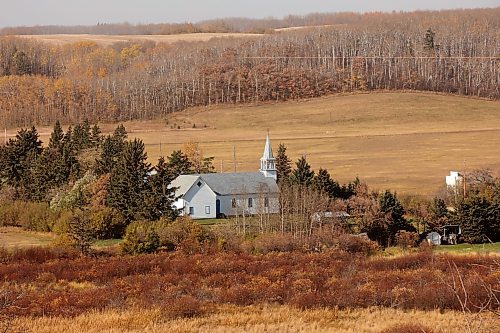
(453, 52)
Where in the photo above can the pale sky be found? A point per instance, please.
(90, 12)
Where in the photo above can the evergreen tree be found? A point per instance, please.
(207, 165)
(52, 169)
(429, 39)
(159, 196)
(19, 156)
(393, 209)
(82, 136)
(128, 180)
(111, 148)
(438, 214)
(68, 140)
(477, 219)
(302, 174)
(178, 164)
(57, 136)
(283, 164)
(324, 183)
(95, 136)
(120, 133)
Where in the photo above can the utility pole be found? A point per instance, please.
(464, 180)
(234, 157)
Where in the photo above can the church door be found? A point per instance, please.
(217, 207)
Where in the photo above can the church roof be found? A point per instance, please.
(268, 150)
(238, 183)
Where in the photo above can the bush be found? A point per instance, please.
(140, 237)
(275, 242)
(184, 234)
(10, 212)
(356, 244)
(34, 216)
(406, 239)
(106, 223)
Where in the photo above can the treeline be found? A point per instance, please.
(452, 52)
(247, 25)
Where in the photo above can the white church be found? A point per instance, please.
(214, 195)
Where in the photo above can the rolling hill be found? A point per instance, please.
(403, 141)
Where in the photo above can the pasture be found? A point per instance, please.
(107, 40)
(403, 141)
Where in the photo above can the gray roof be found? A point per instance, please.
(183, 183)
(229, 183)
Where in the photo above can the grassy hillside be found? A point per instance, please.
(105, 40)
(403, 141)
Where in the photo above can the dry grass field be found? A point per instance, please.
(106, 40)
(12, 237)
(405, 141)
(262, 318)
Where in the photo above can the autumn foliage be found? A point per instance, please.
(183, 285)
(42, 83)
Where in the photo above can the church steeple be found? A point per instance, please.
(268, 162)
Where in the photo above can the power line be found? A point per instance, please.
(372, 57)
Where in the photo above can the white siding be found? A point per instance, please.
(200, 197)
(258, 206)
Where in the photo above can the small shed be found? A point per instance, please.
(433, 238)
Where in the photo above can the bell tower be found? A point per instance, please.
(268, 162)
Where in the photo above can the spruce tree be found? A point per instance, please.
(429, 39)
(96, 136)
(129, 180)
(476, 217)
(159, 196)
(57, 136)
(323, 182)
(283, 164)
(393, 209)
(19, 156)
(302, 174)
(111, 148)
(178, 164)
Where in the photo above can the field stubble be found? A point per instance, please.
(405, 141)
(265, 318)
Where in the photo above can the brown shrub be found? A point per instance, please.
(355, 244)
(406, 239)
(408, 328)
(41, 254)
(275, 242)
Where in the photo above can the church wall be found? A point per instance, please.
(202, 200)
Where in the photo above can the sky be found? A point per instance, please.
(90, 12)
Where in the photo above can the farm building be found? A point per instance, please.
(454, 179)
(213, 195)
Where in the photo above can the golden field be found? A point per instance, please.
(106, 40)
(405, 141)
(263, 318)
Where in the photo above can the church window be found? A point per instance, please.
(250, 202)
(266, 202)
(191, 210)
(233, 203)
(199, 184)
(207, 209)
